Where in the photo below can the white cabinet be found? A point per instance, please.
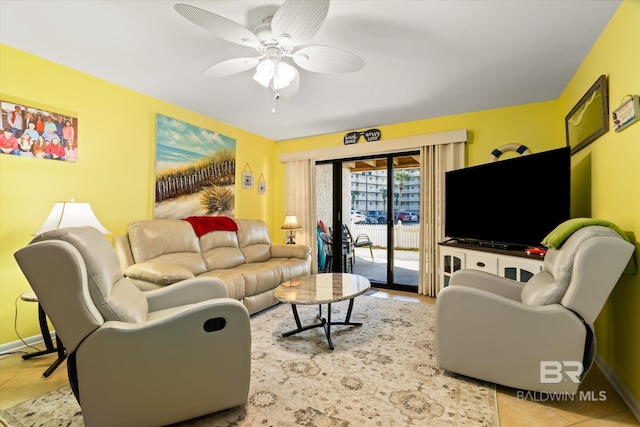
(514, 265)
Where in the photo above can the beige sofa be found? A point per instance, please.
(156, 253)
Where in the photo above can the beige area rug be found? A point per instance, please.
(382, 373)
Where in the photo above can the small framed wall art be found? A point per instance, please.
(247, 177)
(627, 113)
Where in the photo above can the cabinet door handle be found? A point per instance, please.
(480, 264)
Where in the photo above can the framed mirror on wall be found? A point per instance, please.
(589, 119)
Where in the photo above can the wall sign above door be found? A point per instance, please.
(369, 136)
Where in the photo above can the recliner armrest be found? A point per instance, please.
(186, 292)
(487, 282)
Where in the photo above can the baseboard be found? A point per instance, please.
(619, 386)
(18, 345)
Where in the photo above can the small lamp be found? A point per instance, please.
(70, 214)
(290, 224)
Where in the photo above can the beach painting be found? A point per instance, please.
(195, 171)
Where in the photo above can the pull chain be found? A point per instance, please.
(273, 101)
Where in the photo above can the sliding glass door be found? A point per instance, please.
(371, 208)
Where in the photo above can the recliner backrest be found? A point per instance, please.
(84, 271)
(58, 276)
(581, 273)
(598, 265)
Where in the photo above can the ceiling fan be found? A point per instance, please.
(275, 40)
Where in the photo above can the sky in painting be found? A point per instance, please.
(179, 143)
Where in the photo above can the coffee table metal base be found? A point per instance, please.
(324, 323)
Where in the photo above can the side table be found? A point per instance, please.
(46, 336)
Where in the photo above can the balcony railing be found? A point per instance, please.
(405, 236)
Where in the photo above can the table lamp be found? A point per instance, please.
(290, 224)
(70, 214)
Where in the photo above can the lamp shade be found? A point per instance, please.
(70, 214)
(290, 223)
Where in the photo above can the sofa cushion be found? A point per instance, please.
(254, 240)
(220, 250)
(170, 241)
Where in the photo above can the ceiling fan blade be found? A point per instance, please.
(297, 21)
(327, 59)
(218, 25)
(293, 87)
(230, 66)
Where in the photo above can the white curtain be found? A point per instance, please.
(435, 160)
(300, 200)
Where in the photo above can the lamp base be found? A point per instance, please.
(290, 239)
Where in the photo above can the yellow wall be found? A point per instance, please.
(607, 182)
(115, 169)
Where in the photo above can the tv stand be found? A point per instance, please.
(504, 261)
(486, 244)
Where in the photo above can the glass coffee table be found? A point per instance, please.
(321, 289)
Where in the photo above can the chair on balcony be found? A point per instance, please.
(361, 241)
(347, 254)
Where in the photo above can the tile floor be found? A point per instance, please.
(22, 379)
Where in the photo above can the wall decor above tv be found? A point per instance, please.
(589, 119)
(509, 203)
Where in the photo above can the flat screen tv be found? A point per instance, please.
(509, 203)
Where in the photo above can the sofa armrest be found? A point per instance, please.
(290, 251)
(123, 250)
(161, 274)
(189, 291)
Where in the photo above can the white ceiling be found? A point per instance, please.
(423, 59)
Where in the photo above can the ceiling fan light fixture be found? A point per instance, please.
(291, 26)
(285, 74)
(264, 72)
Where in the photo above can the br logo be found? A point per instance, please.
(553, 372)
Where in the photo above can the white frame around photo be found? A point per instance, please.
(247, 180)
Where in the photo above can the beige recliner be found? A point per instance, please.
(539, 336)
(138, 358)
